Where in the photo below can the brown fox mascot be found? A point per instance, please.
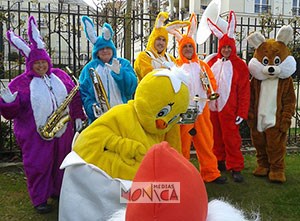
(272, 102)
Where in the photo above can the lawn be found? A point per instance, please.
(278, 202)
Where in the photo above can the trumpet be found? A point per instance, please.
(211, 94)
(100, 91)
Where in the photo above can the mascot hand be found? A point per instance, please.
(7, 96)
(285, 125)
(132, 152)
(97, 110)
(78, 124)
(238, 120)
(115, 66)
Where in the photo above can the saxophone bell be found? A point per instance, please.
(100, 92)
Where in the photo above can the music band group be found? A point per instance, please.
(48, 107)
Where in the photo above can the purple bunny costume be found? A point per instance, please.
(37, 98)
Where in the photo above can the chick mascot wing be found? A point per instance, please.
(113, 146)
(150, 58)
(272, 102)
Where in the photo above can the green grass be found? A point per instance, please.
(278, 202)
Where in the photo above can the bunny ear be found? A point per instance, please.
(160, 19)
(89, 29)
(231, 25)
(107, 32)
(173, 27)
(34, 34)
(215, 29)
(18, 43)
(193, 26)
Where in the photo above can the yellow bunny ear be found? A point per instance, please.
(160, 19)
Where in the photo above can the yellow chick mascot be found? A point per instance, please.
(108, 153)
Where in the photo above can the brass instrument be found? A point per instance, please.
(100, 91)
(59, 117)
(211, 94)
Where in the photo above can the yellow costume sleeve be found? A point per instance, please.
(143, 65)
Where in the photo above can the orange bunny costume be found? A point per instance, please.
(203, 139)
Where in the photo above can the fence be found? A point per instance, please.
(61, 29)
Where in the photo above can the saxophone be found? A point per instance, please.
(100, 91)
(59, 117)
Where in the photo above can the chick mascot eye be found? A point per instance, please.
(164, 111)
(265, 61)
(277, 60)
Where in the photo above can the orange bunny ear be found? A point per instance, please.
(193, 26)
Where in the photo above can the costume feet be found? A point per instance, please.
(261, 171)
(220, 180)
(221, 165)
(277, 177)
(237, 176)
(43, 208)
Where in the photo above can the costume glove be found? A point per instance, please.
(78, 124)
(238, 120)
(115, 66)
(97, 110)
(7, 96)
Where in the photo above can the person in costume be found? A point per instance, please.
(29, 100)
(155, 56)
(231, 108)
(272, 102)
(116, 74)
(118, 140)
(199, 133)
(113, 146)
(163, 165)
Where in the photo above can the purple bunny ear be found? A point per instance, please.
(18, 43)
(34, 34)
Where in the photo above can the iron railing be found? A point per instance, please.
(60, 26)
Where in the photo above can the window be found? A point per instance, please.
(262, 6)
(296, 7)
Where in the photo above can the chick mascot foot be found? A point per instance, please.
(114, 145)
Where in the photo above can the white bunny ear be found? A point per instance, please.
(285, 34)
(193, 26)
(18, 43)
(173, 27)
(214, 29)
(89, 29)
(34, 34)
(231, 25)
(107, 32)
(256, 39)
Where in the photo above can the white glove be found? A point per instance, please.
(78, 124)
(115, 66)
(97, 110)
(238, 120)
(7, 96)
(168, 64)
